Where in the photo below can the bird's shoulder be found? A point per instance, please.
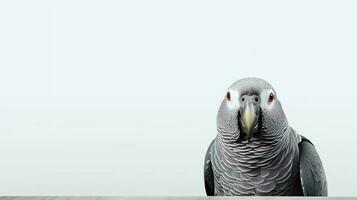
(208, 171)
(312, 174)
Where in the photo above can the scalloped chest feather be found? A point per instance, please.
(256, 168)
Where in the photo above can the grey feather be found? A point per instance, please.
(208, 172)
(312, 174)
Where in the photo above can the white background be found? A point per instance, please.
(121, 97)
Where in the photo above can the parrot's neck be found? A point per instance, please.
(261, 150)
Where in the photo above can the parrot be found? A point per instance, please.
(256, 152)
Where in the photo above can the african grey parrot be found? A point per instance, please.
(256, 152)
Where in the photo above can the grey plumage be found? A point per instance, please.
(313, 180)
(256, 152)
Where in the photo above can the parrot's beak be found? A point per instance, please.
(249, 119)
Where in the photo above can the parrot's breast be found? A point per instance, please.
(255, 168)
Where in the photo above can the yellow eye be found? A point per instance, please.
(271, 97)
(228, 96)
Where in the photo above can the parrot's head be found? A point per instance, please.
(250, 109)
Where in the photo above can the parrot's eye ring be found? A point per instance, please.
(271, 97)
(228, 96)
(242, 99)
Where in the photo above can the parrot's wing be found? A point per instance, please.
(313, 179)
(208, 172)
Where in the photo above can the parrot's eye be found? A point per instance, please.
(271, 97)
(228, 96)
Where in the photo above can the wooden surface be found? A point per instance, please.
(160, 198)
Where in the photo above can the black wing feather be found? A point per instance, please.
(312, 174)
(208, 172)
